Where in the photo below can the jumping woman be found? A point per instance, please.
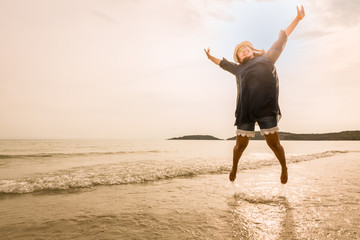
(257, 94)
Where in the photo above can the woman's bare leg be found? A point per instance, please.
(273, 142)
(241, 144)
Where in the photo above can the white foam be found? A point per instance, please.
(138, 172)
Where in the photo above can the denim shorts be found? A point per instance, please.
(268, 125)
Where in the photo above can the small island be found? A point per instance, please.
(195, 137)
(339, 136)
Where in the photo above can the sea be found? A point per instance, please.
(177, 189)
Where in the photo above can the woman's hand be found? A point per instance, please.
(300, 15)
(213, 59)
(207, 52)
(301, 12)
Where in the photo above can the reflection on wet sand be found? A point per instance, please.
(261, 217)
(288, 224)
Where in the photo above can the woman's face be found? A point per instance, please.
(245, 52)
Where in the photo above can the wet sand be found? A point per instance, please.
(320, 201)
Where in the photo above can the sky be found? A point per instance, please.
(136, 69)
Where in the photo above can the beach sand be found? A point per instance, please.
(320, 201)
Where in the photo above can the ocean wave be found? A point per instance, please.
(136, 172)
(257, 198)
(81, 154)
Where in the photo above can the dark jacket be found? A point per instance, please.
(257, 84)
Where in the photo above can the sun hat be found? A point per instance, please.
(247, 43)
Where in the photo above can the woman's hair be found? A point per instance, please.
(257, 53)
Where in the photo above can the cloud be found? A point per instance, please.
(218, 9)
(222, 16)
(310, 34)
(336, 12)
(265, 0)
(345, 12)
(325, 17)
(106, 17)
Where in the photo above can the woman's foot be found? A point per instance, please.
(284, 175)
(232, 174)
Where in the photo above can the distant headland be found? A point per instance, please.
(337, 136)
(195, 137)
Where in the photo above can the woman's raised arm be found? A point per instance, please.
(300, 15)
(276, 49)
(213, 59)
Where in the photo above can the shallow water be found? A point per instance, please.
(185, 193)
